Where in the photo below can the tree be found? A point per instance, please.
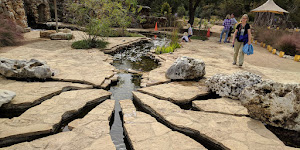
(193, 4)
(181, 11)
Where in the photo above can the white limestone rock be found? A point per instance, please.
(232, 85)
(24, 69)
(6, 96)
(186, 68)
(274, 103)
(61, 36)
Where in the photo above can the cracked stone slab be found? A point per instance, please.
(176, 92)
(82, 66)
(223, 131)
(47, 117)
(144, 132)
(221, 105)
(90, 132)
(29, 94)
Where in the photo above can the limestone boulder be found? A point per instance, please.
(232, 85)
(6, 96)
(274, 103)
(24, 69)
(186, 68)
(61, 36)
(46, 33)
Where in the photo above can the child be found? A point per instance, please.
(185, 37)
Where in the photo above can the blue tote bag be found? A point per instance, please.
(248, 49)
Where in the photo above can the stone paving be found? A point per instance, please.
(176, 92)
(47, 117)
(225, 131)
(145, 133)
(88, 133)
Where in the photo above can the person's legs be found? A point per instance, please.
(190, 38)
(227, 32)
(221, 35)
(241, 55)
(237, 46)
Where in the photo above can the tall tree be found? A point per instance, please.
(193, 4)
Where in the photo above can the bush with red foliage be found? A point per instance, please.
(9, 32)
(290, 44)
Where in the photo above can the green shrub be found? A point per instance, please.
(88, 44)
(181, 11)
(169, 49)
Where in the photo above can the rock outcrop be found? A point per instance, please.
(24, 69)
(186, 68)
(14, 9)
(6, 96)
(38, 10)
(46, 33)
(274, 103)
(232, 85)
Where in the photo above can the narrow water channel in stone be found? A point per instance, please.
(135, 58)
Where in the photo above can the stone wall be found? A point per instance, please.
(38, 11)
(14, 9)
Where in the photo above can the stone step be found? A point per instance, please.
(29, 94)
(90, 132)
(48, 117)
(176, 92)
(221, 131)
(145, 133)
(221, 105)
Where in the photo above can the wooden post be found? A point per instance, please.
(56, 20)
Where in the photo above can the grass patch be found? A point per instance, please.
(203, 38)
(171, 48)
(88, 44)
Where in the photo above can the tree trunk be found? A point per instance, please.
(192, 9)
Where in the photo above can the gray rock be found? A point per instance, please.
(23, 69)
(186, 68)
(232, 85)
(274, 103)
(61, 36)
(6, 96)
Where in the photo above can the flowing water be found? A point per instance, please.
(134, 58)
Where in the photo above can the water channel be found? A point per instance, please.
(136, 58)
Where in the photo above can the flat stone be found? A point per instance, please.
(220, 131)
(144, 132)
(90, 132)
(87, 67)
(47, 117)
(6, 96)
(221, 105)
(176, 92)
(61, 36)
(46, 33)
(29, 94)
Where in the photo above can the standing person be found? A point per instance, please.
(241, 36)
(233, 22)
(226, 24)
(190, 32)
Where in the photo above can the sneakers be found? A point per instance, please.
(240, 65)
(234, 63)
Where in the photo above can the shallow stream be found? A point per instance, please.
(136, 59)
